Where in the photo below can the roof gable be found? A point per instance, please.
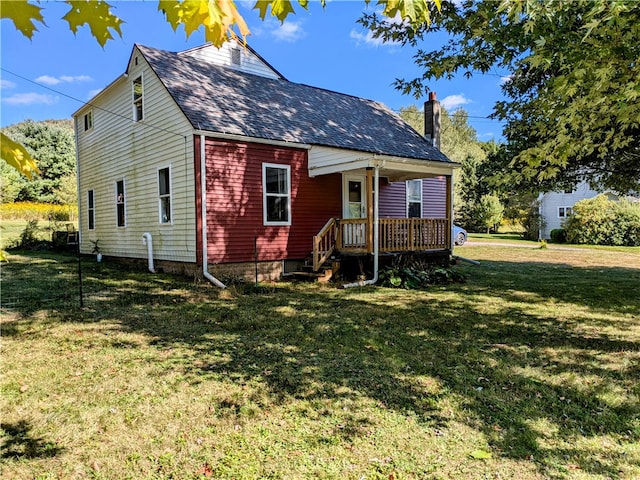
(224, 100)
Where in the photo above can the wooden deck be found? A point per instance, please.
(355, 236)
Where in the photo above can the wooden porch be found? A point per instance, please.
(354, 236)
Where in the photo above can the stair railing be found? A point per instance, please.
(324, 243)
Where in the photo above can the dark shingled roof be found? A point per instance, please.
(223, 100)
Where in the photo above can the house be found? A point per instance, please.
(209, 160)
(555, 207)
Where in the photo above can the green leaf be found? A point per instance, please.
(480, 454)
(17, 156)
(23, 14)
(97, 15)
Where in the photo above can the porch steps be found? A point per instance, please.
(323, 275)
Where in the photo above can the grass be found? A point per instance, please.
(533, 362)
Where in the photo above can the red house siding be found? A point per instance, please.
(235, 205)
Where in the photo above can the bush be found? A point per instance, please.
(558, 235)
(600, 221)
(533, 223)
(415, 274)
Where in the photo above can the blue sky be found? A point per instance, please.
(50, 76)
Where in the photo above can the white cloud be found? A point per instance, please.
(454, 101)
(365, 39)
(93, 93)
(30, 99)
(285, 32)
(506, 79)
(49, 80)
(6, 84)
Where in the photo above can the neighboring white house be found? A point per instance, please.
(555, 207)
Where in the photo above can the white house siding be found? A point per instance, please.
(550, 202)
(249, 62)
(117, 148)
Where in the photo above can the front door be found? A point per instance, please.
(354, 205)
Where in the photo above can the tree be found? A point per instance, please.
(490, 211)
(51, 144)
(218, 18)
(459, 142)
(571, 74)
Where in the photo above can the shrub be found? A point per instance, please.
(600, 221)
(416, 274)
(558, 235)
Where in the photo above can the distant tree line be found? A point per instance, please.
(51, 144)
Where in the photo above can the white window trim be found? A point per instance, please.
(124, 192)
(406, 188)
(88, 115)
(91, 211)
(565, 211)
(133, 101)
(264, 193)
(170, 222)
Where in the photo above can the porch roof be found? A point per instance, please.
(395, 169)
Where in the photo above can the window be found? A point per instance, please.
(137, 99)
(91, 210)
(276, 188)
(564, 212)
(236, 56)
(164, 194)
(88, 120)
(414, 198)
(120, 204)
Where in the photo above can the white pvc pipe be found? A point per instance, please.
(147, 240)
(203, 182)
(376, 183)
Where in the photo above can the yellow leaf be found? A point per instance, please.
(218, 17)
(17, 156)
(23, 14)
(97, 15)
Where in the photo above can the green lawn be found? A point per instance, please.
(532, 363)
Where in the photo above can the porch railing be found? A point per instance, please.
(351, 235)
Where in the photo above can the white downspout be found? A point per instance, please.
(203, 200)
(146, 240)
(376, 183)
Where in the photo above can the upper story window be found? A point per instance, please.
(88, 120)
(414, 198)
(276, 188)
(120, 204)
(138, 99)
(91, 209)
(236, 56)
(164, 194)
(564, 212)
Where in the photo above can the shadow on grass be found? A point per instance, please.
(19, 443)
(525, 375)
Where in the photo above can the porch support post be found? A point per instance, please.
(449, 207)
(369, 209)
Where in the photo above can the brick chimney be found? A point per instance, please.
(432, 120)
